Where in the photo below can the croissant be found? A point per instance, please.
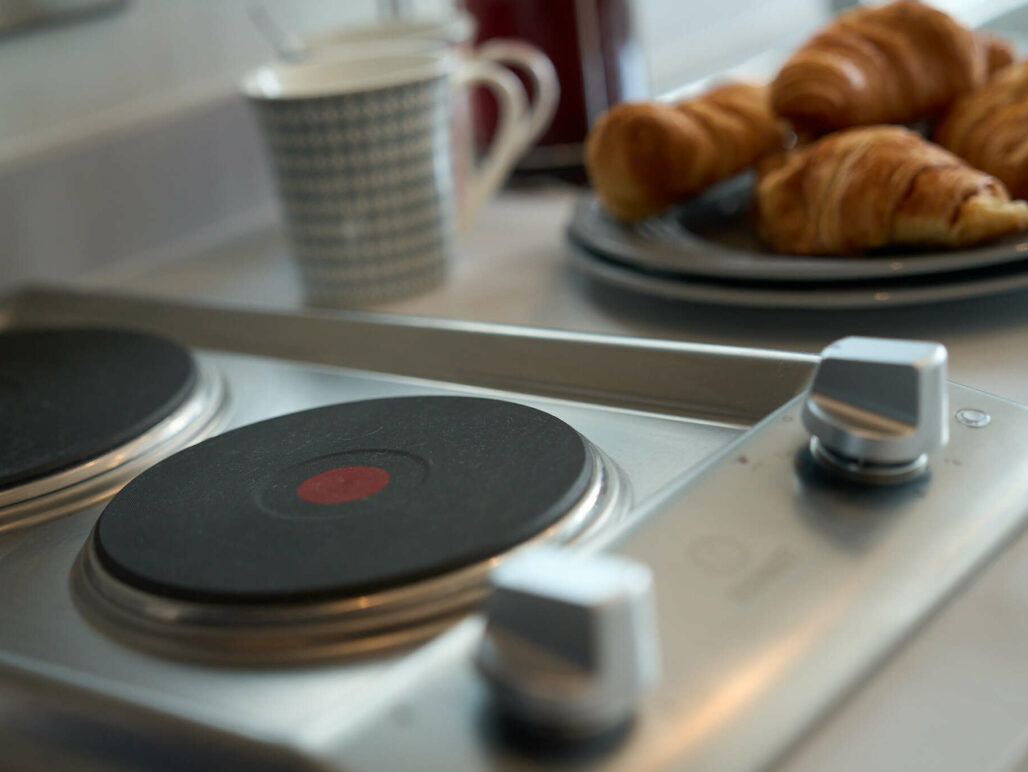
(998, 51)
(870, 187)
(641, 158)
(987, 128)
(887, 64)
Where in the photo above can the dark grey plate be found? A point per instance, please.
(840, 295)
(711, 237)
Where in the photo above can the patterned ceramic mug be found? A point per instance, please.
(455, 32)
(361, 149)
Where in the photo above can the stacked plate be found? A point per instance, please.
(706, 250)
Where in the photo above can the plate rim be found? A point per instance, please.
(839, 297)
(591, 228)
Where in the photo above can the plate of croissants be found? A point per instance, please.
(886, 162)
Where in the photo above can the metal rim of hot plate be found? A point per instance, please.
(288, 633)
(204, 411)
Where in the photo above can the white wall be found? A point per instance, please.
(155, 56)
(158, 56)
(149, 57)
(686, 39)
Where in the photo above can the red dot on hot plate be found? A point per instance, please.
(342, 484)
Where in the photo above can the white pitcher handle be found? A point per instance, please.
(510, 139)
(541, 74)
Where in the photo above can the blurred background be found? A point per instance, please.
(122, 135)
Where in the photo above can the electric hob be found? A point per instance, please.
(383, 542)
(83, 410)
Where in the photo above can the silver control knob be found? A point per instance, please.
(571, 640)
(877, 407)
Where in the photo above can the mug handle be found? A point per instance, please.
(541, 74)
(509, 140)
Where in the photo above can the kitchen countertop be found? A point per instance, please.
(513, 268)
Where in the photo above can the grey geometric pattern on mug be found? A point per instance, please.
(337, 293)
(390, 182)
(399, 247)
(306, 162)
(358, 229)
(329, 277)
(315, 211)
(401, 262)
(366, 182)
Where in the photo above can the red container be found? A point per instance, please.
(598, 61)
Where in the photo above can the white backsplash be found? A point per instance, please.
(686, 39)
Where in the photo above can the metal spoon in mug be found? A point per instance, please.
(287, 45)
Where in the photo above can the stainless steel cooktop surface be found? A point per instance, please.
(707, 580)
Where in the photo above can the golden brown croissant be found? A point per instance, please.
(989, 128)
(641, 158)
(998, 51)
(887, 64)
(870, 187)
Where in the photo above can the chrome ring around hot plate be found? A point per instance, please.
(273, 634)
(202, 414)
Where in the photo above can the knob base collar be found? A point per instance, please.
(865, 471)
